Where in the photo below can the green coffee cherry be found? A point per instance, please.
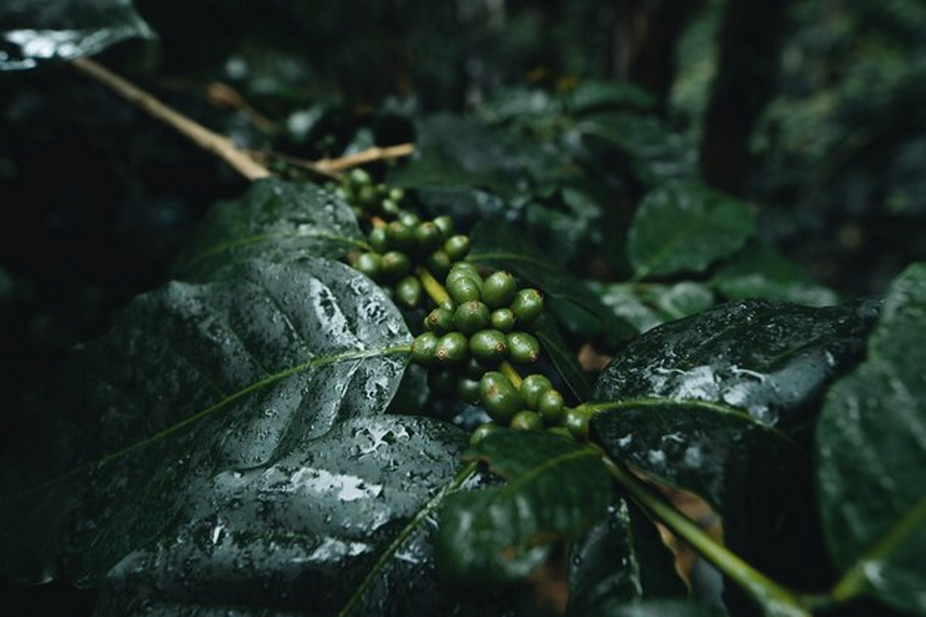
(526, 421)
(395, 266)
(400, 236)
(469, 390)
(502, 319)
(501, 398)
(378, 239)
(442, 382)
(396, 194)
(390, 208)
(359, 177)
(457, 247)
(532, 387)
(366, 195)
(424, 349)
(445, 224)
(527, 306)
(461, 267)
(523, 347)
(440, 320)
(576, 420)
(438, 264)
(409, 219)
(471, 317)
(428, 236)
(463, 289)
(499, 290)
(370, 264)
(482, 431)
(408, 292)
(550, 407)
(452, 348)
(488, 346)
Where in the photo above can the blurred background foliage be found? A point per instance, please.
(559, 115)
(823, 126)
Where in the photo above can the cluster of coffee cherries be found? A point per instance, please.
(401, 246)
(367, 198)
(487, 322)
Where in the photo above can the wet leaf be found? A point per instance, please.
(341, 525)
(620, 560)
(686, 228)
(33, 32)
(871, 450)
(758, 272)
(193, 381)
(555, 489)
(756, 477)
(502, 246)
(274, 220)
(771, 359)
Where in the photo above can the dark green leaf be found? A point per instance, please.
(753, 475)
(686, 228)
(590, 96)
(773, 360)
(758, 272)
(555, 489)
(275, 221)
(342, 525)
(502, 246)
(647, 305)
(621, 560)
(662, 608)
(37, 31)
(871, 448)
(193, 381)
(564, 359)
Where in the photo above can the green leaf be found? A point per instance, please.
(563, 359)
(502, 246)
(753, 475)
(342, 525)
(686, 228)
(647, 305)
(555, 489)
(192, 381)
(771, 359)
(759, 272)
(590, 96)
(465, 152)
(871, 450)
(33, 32)
(660, 608)
(274, 220)
(620, 560)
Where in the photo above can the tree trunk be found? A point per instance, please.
(751, 38)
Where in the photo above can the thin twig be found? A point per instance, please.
(365, 156)
(219, 145)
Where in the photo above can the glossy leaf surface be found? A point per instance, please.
(647, 305)
(193, 381)
(871, 448)
(274, 220)
(761, 273)
(620, 560)
(555, 489)
(686, 228)
(771, 359)
(36, 31)
(341, 525)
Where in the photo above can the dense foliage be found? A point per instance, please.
(501, 376)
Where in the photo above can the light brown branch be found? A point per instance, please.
(212, 142)
(365, 156)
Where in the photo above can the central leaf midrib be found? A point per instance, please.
(224, 247)
(231, 398)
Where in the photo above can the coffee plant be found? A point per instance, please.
(360, 394)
